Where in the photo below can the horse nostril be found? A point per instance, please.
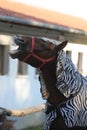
(18, 40)
(21, 40)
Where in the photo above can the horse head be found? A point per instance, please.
(41, 53)
(36, 51)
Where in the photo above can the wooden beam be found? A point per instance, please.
(13, 26)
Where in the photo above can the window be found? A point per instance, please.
(22, 68)
(79, 63)
(4, 59)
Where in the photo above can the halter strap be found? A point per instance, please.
(32, 54)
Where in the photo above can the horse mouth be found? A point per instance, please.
(19, 43)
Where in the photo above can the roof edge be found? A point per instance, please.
(39, 24)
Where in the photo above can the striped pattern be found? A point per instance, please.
(49, 118)
(70, 81)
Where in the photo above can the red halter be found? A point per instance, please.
(31, 53)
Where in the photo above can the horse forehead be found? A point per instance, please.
(55, 42)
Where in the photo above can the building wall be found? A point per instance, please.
(78, 56)
(18, 91)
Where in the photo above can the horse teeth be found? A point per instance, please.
(14, 46)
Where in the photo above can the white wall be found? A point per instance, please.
(18, 92)
(75, 49)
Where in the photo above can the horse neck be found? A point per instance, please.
(69, 80)
(49, 73)
(49, 76)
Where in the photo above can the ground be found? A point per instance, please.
(34, 128)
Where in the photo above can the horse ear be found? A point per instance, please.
(61, 45)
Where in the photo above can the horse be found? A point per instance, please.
(66, 88)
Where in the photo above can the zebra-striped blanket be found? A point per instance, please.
(70, 81)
